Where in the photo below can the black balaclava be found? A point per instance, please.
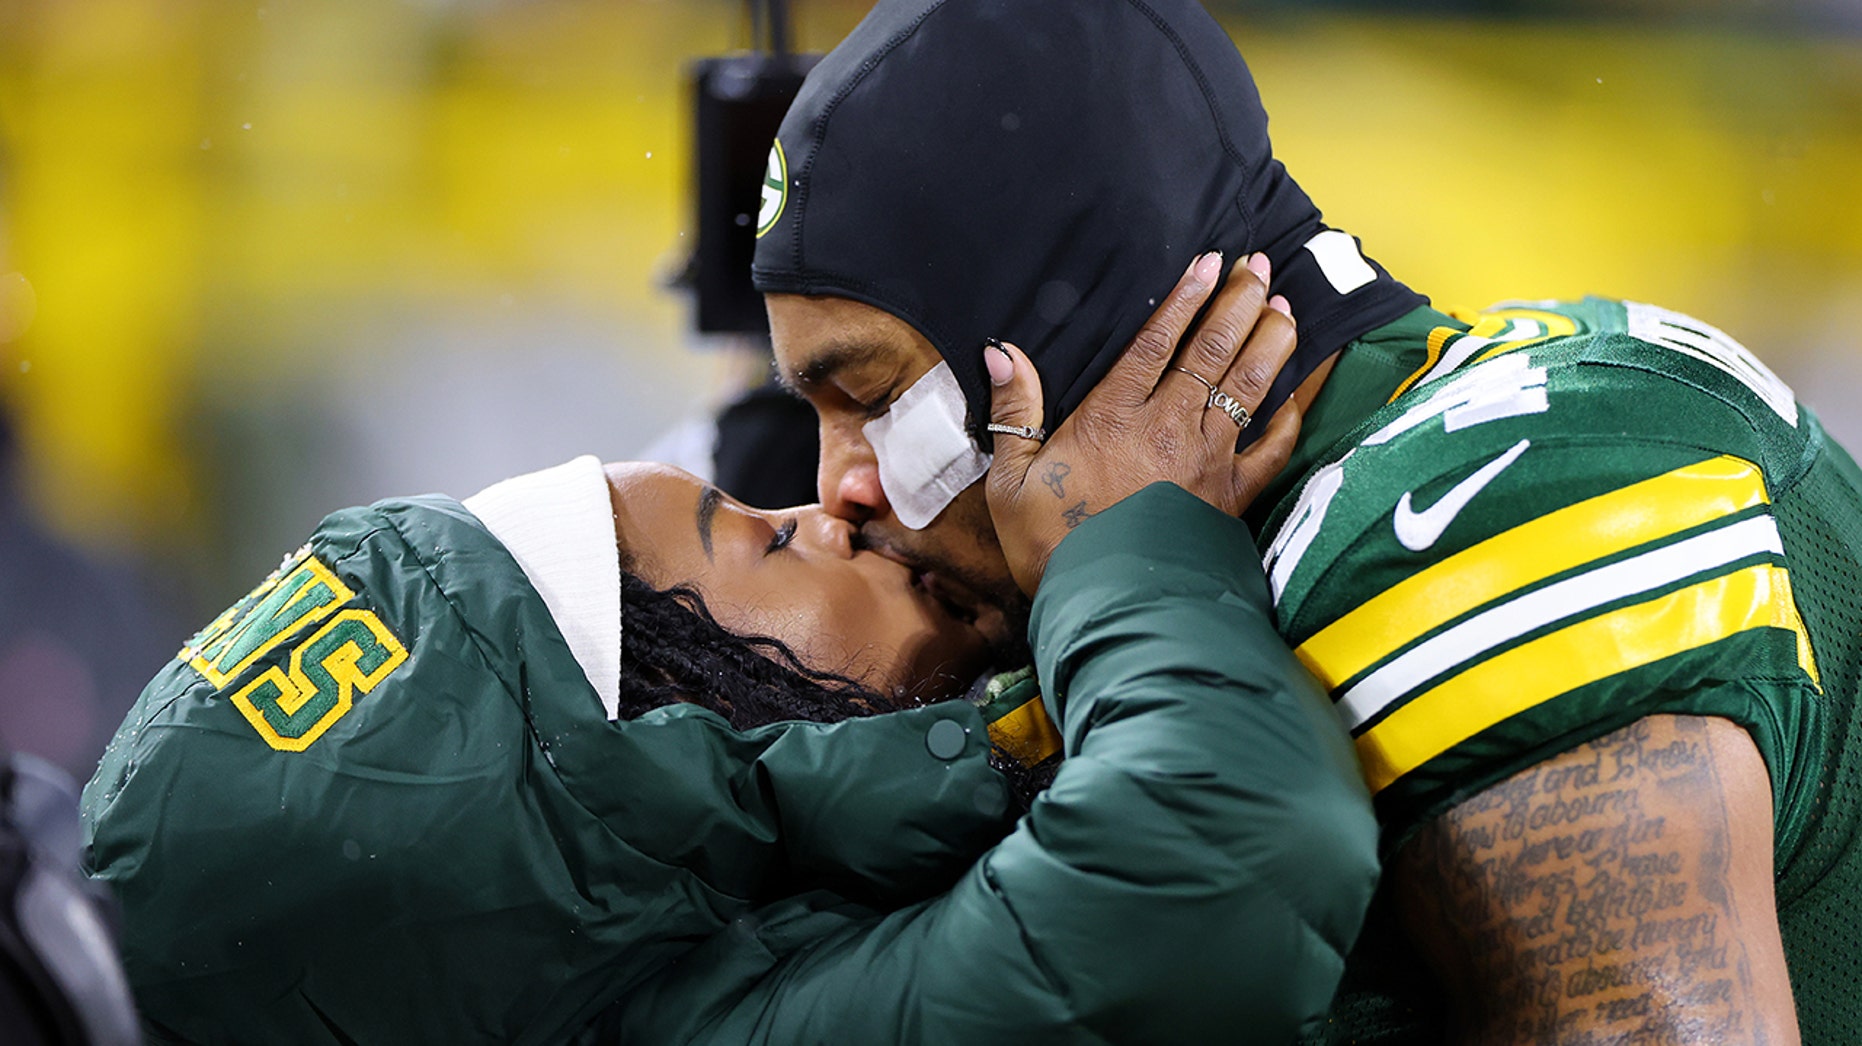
(1043, 171)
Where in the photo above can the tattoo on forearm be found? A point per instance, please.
(1564, 907)
(1075, 516)
(1055, 476)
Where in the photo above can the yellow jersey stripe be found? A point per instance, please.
(1490, 329)
(1026, 734)
(1663, 566)
(1437, 338)
(1806, 656)
(1591, 650)
(1570, 537)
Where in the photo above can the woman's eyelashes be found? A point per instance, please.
(784, 534)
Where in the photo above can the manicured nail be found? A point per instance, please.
(1207, 268)
(996, 358)
(1259, 265)
(1280, 304)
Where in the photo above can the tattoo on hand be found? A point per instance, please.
(1075, 516)
(1055, 476)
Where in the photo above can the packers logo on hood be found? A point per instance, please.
(1043, 172)
(775, 190)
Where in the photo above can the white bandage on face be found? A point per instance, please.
(925, 457)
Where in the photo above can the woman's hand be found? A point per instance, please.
(1164, 412)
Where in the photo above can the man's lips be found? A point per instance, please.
(957, 599)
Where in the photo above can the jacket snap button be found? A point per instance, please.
(946, 739)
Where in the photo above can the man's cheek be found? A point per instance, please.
(963, 524)
(970, 533)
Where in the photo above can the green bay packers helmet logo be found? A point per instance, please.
(775, 190)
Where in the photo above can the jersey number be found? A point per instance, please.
(1710, 345)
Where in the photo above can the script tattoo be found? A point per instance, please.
(1055, 476)
(1566, 905)
(1075, 516)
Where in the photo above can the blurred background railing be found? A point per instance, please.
(259, 260)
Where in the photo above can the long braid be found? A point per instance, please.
(673, 650)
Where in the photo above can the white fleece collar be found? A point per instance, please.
(559, 526)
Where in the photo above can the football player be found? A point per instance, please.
(1580, 576)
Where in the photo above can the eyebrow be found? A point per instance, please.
(828, 360)
(708, 501)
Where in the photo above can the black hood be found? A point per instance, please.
(1043, 171)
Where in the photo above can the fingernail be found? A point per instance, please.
(1259, 265)
(1280, 304)
(1208, 268)
(996, 360)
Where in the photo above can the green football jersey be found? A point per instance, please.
(1512, 532)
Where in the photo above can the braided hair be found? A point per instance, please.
(673, 650)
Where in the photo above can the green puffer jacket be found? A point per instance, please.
(378, 802)
(462, 847)
(1194, 875)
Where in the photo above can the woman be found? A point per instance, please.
(473, 771)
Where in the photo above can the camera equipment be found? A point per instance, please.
(739, 101)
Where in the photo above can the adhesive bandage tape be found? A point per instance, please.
(1341, 261)
(925, 457)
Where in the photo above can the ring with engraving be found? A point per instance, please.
(1220, 400)
(1230, 406)
(1024, 431)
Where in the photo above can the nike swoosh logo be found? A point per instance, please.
(1418, 531)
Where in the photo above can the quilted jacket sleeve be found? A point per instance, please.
(1196, 872)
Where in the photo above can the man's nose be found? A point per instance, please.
(848, 480)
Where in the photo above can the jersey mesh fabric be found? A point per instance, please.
(1821, 521)
(1630, 399)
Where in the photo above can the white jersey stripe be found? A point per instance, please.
(1467, 642)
